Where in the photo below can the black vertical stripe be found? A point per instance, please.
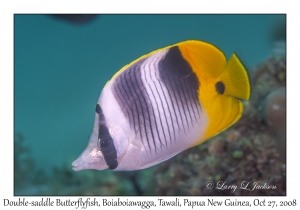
(161, 101)
(182, 101)
(188, 102)
(194, 106)
(131, 102)
(172, 87)
(105, 141)
(135, 98)
(133, 120)
(128, 110)
(181, 82)
(173, 106)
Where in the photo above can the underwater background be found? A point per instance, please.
(61, 64)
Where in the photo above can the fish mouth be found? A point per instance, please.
(83, 164)
(76, 165)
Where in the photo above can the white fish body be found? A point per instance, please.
(150, 111)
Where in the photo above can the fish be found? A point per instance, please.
(79, 19)
(163, 103)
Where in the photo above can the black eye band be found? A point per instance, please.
(105, 142)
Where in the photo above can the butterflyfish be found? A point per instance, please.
(162, 103)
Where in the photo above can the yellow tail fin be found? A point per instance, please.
(236, 78)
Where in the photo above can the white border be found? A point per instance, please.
(8, 8)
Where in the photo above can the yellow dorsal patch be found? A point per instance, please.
(205, 59)
(209, 63)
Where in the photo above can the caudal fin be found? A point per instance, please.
(236, 79)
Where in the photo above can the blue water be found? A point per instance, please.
(60, 68)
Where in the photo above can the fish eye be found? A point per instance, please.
(220, 87)
(104, 143)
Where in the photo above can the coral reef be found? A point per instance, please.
(274, 109)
